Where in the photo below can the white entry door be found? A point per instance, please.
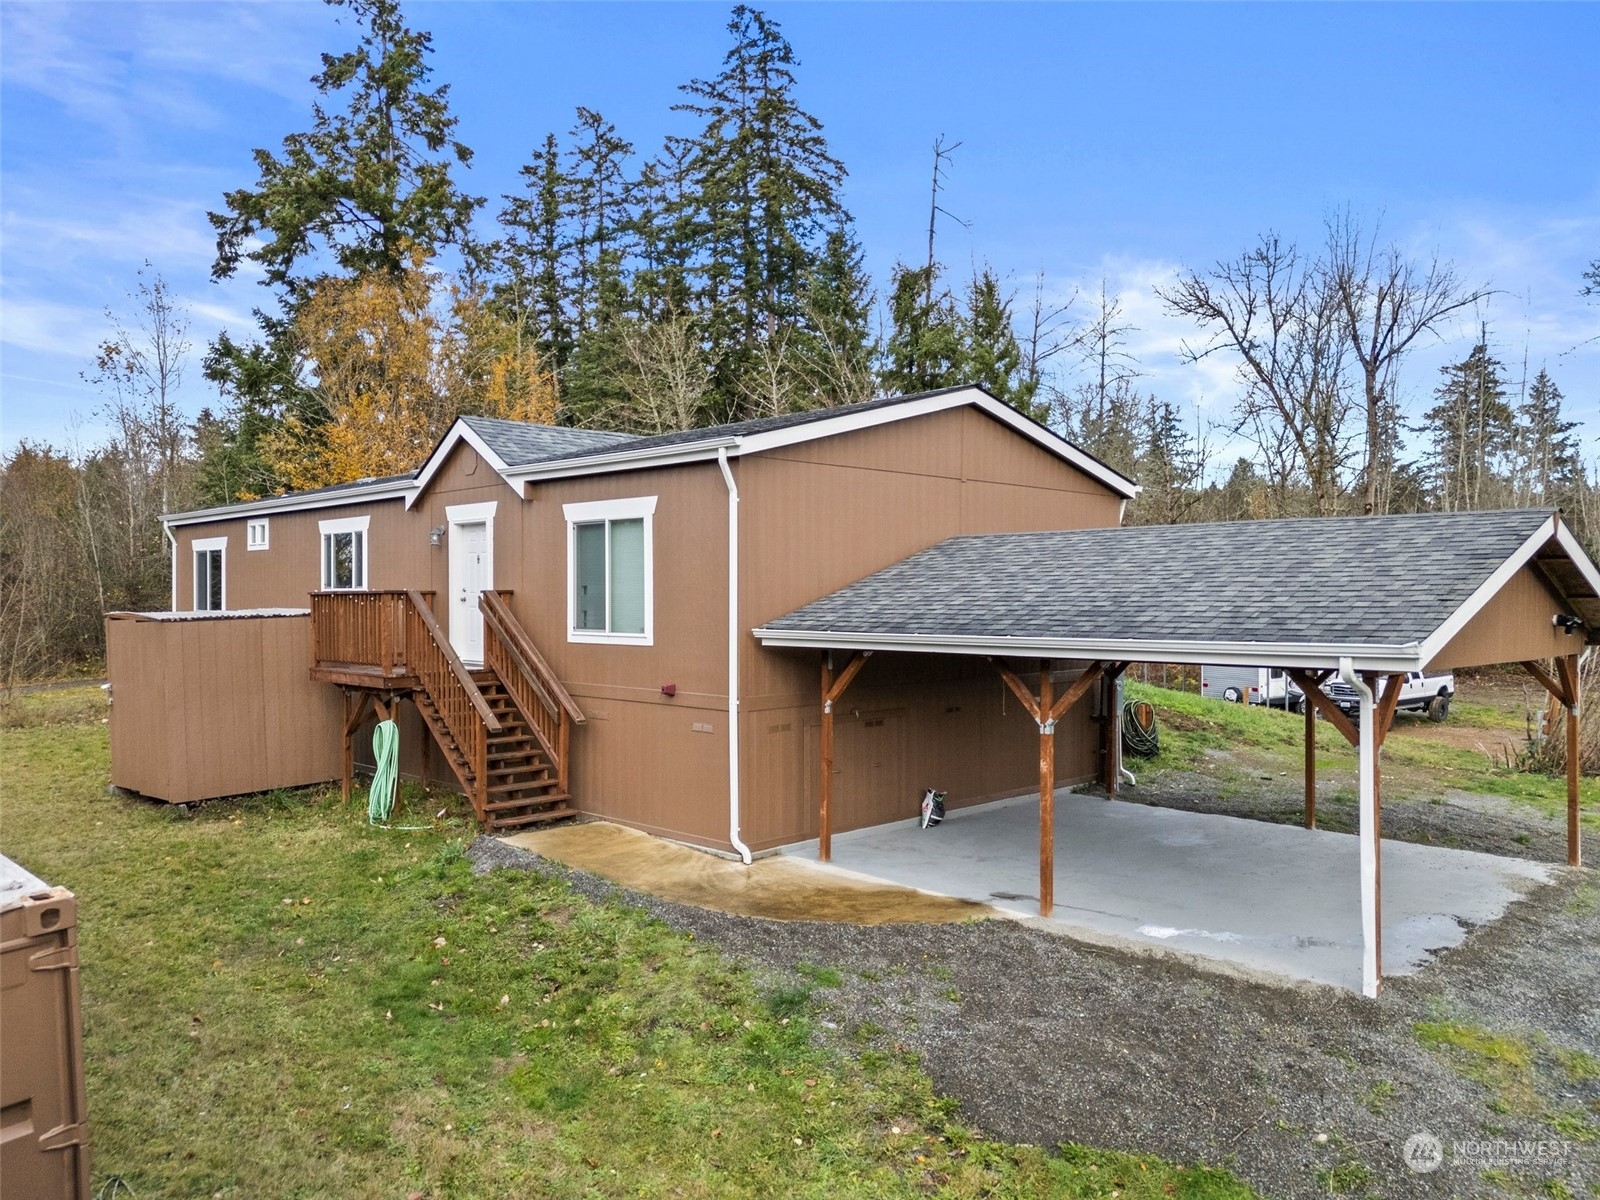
(471, 574)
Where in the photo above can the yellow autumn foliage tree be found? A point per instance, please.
(392, 359)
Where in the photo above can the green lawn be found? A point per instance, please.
(280, 1001)
(1414, 768)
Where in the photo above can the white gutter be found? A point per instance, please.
(167, 529)
(1368, 754)
(733, 658)
(393, 490)
(1323, 655)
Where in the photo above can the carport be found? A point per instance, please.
(1366, 599)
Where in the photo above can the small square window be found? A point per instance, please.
(255, 534)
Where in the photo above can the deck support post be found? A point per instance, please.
(347, 761)
(832, 688)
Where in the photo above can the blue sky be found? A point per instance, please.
(1120, 142)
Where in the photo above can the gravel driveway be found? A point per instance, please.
(1301, 1092)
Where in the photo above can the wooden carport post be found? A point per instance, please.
(832, 689)
(1311, 749)
(1046, 711)
(1566, 691)
(1375, 718)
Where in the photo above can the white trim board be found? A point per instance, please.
(1387, 659)
(459, 432)
(592, 512)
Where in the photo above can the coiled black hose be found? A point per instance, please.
(1140, 737)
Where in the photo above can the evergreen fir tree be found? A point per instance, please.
(836, 351)
(993, 358)
(1471, 429)
(764, 187)
(927, 347)
(1549, 469)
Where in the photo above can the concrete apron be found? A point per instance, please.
(1251, 898)
(777, 888)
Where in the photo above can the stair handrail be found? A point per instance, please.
(453, 661)
(532, 663)
(507, 645)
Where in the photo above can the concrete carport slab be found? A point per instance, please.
(1253, 897)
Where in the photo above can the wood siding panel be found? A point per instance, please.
(1516, 625)
(952, 722)
(210, 708)
(818, 516)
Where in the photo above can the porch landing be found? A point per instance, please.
(1255, 898)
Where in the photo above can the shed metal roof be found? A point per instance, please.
(1289, 592)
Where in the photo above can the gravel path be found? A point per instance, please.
(1043, 1039)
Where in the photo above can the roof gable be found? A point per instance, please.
(766, 433)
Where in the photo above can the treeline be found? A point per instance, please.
(714, 277)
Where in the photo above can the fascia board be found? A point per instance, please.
(280, 504)
(623, 460)
(1489, 588)
(1579, 556)
(1382, 658)
(458, 433)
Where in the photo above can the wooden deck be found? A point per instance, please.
(505, 728)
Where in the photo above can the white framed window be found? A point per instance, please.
(255, 533)
(611, 571)
(344, 554)
(210, 575)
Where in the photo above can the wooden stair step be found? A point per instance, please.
(527, 802)
(519, 768)
(508, 789)
(533, 818)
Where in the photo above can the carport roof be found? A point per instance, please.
(1388, 592)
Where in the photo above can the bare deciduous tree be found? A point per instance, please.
(1386, 302)
(1280, 316)
(665, 378)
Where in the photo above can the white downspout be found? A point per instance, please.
(1369, 833)
(733, 657)
(167, 529)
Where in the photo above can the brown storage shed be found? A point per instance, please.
(44, 1140)
(218, 704)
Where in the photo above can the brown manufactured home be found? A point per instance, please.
(754, 634)
(594, 595)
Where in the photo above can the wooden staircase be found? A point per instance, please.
(504, 728)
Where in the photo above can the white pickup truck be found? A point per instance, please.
(1420, 693)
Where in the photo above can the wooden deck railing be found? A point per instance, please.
(369, 638)
(511, 654)
(360, 629)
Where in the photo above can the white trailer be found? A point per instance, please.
(1250, 685)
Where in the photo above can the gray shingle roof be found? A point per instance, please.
(1369, 580)
(519, 443)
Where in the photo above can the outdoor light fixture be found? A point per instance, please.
(1566, 623)
(436, 535)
